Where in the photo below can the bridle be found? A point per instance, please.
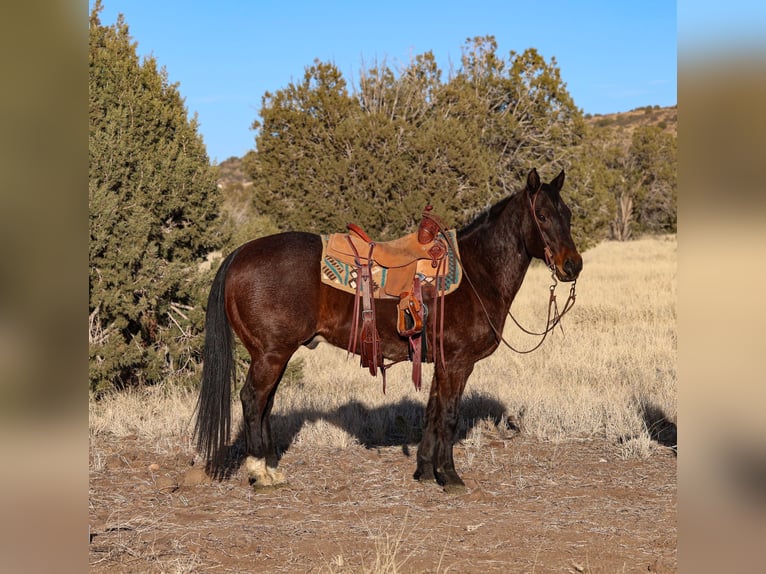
(552, 304)
(553, 309)
(547, 251)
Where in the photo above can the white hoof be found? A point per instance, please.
(263, 475)
(256, 471)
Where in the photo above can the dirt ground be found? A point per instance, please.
(531, 506)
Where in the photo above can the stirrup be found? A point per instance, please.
(410, 317)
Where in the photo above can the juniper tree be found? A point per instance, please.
(327, 154)
(153, 207)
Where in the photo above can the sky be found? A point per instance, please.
(614, 56)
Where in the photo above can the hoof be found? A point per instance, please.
(261, 476)
(451, 482)
(455, 488)
(424, 476)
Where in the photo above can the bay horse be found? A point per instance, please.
(269, 292)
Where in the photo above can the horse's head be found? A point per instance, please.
(550, 236)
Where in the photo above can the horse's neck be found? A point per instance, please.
(495, 251)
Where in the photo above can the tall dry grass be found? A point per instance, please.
(612, 373)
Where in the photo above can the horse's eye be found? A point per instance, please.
(540, 216)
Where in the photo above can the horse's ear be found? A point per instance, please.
(558, 183)
(533, 181)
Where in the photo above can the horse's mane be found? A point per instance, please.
(486, 216)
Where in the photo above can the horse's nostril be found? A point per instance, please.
(573, 267)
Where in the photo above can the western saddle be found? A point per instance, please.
(398, 269)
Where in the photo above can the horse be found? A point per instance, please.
(269, 292)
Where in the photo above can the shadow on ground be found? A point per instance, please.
(397, 425)
(661, 429)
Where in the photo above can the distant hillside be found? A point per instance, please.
(623, 124)
(231, 172)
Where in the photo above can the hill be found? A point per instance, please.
(621, 125)
(232, 172)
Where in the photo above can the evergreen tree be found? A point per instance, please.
(325, 156)
(652, 172)
(301, 166)
(642, 179)
(153, 207)
(590, 173)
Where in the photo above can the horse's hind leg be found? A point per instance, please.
(257, 396)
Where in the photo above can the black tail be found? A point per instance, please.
(213, 423)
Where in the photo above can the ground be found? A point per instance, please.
(530, 506)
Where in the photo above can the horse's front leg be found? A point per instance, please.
(435, 458)
(425, 469)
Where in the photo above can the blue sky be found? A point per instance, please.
(613, 55)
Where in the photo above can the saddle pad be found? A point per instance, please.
(343, 275)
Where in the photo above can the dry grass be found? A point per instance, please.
(618, 355)
(612, 373)
(534, 477)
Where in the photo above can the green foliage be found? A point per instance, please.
(377, 153)
(594, 208)
(326, 156)
(640, 178)
(652, 173)
(153, 211)
(605, 121)
(241, 217)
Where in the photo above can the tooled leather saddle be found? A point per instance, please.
(398, 269)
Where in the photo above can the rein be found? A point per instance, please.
(551, 324)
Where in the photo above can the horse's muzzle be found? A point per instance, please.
(570, 269)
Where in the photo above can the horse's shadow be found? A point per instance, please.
(659, 426)
(397, 425)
